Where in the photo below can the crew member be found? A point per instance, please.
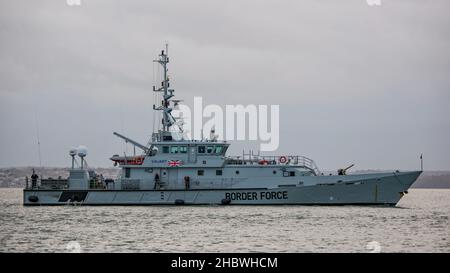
(187, 182)
(34, 179)
(156, 181)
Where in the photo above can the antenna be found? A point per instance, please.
(421, 162)
(212, 134)
(37, 137)
(167, 120)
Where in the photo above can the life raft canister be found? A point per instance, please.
(179, 202)
(282, 159)
(33, 198)
(225, 201)
(263, 162)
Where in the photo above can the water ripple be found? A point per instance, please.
(419, 224)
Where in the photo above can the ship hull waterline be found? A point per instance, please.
(387, 190)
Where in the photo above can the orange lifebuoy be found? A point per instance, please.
(282, 159)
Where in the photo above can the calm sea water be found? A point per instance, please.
(419, 224)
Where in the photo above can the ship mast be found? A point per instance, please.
(168, 120)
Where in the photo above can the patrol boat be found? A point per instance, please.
(173, 170)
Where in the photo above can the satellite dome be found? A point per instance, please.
(82, 151)
(73, 152)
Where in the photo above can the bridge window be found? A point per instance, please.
(218, 172)
(292, 173)
(201, 149)
(165, 149)
(174, 149)
(209, 149)
(219, 150)
(127, 172)
(200, 172)
(183, 149)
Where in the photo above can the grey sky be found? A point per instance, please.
(355, 84)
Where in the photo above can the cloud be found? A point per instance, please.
(354, 83)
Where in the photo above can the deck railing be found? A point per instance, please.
(287, 160)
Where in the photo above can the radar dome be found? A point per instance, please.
(73, 152)
(82, 151)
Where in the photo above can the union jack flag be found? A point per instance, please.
(174, 163)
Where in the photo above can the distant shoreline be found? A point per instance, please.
(14, 177)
